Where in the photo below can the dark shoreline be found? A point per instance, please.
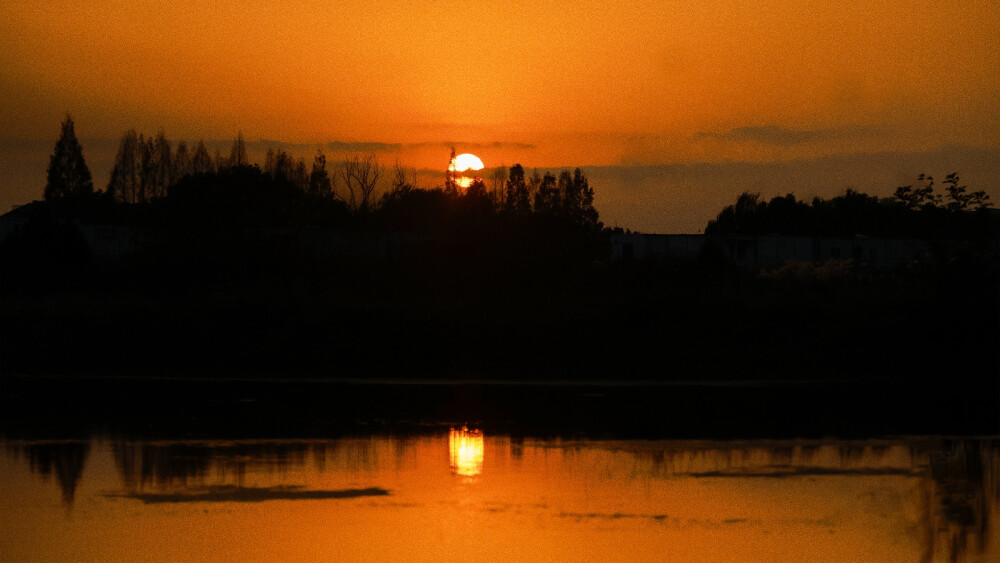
(76, 407)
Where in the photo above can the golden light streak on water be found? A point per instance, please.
(466, 447)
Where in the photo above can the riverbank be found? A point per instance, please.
(73, 407)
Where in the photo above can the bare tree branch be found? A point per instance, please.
(361, 174)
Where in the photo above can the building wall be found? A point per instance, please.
(627, 246)
(770, 251)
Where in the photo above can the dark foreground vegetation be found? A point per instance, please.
(250, 272)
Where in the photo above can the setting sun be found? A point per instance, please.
(465, 164)
(467, 161)
(673, 116)
(261, 297)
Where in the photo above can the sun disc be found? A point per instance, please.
(466, 161)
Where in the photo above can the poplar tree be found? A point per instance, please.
(161, 164)
(180, 165)
(125, 176)
(201, 162)
(238, 153)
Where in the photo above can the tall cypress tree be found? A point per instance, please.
(68, 173)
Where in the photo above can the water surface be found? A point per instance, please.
(453, 493)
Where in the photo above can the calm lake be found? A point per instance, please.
(248, 480)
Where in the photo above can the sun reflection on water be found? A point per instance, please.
(898, 499)
(466, 447)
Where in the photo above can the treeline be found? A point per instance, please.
(914, 211)
(188, 214)
(359, 192)
(145, 168)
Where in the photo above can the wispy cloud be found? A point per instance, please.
(334, 146)
(381, 147)
(473, 146)
(781, 136)
(495, 145)
(271, 143)
(363, 146)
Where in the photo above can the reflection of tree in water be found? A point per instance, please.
(960, 478)
(144, 464)
(180, 463)
(65, 459)
(964, 482)
(169, 464)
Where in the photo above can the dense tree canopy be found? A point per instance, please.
(916, 212)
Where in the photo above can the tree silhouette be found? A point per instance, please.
(960, 199)
(578, 199)
(277, 164)
(161, 165)
(499, 177)
(739, 218)
(180, 166)
(568, 196)
(920, 197)
(147, 178)
(281, 166)
(911, 212)
(143, 169)
(360, 174)
(201, 161)
(319, 179)
(547, 198)
(219, 161)
(477, 190)
(68, 174)
(517, 202)
(300, 175)
(124, 183)
(450, 180)
(404, 180)
(238, 153)
(533, 184)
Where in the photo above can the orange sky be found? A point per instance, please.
(548, 84)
